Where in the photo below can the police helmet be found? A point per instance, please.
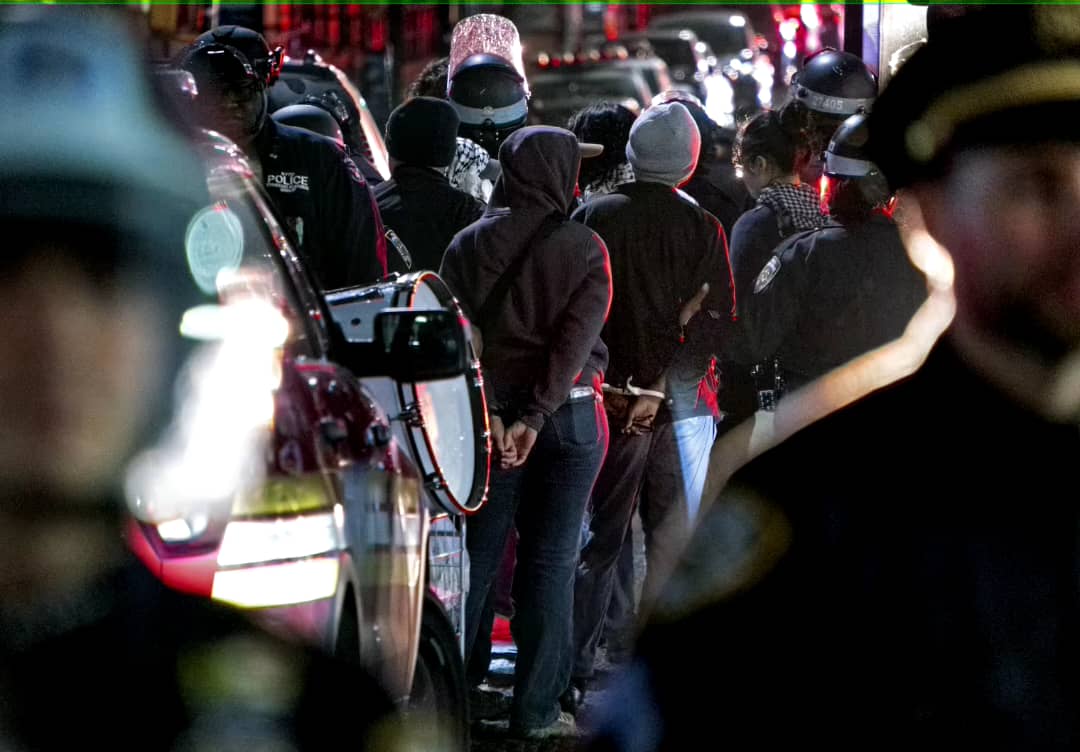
(253, 46)
(490, 97)
(856, 185)
(847, 156)
(834, 83)
(312, 118)
(222, 71)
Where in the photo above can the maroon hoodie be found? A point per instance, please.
(546, 334)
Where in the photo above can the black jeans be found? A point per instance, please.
(546, 497)
(613, 501)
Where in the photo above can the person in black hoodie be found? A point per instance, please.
(314, 184)
(418, 202)
(538, 288)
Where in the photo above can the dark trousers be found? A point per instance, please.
(620, 621)
(546, 499)
(613, 501)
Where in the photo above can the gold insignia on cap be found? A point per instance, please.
(1056, 27)
(1028, 85)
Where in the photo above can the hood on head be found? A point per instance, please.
(539, 170)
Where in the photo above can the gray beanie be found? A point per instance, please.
(663, 146)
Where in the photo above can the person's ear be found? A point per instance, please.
(758, 165)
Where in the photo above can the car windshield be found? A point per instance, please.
(571, 85)
(675, 52)
(720, 34)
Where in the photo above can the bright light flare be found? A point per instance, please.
(809, 15)
(213, 449)
(279, 539)
(278, 584)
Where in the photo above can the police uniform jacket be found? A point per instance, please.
(902, 574)
(322, 196)
(829, 295)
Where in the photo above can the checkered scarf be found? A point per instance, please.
(609, 181)
(796, 207)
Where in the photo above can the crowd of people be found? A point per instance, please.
(638, 286)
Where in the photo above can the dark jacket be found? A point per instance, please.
(322, 196)
(899, 575)
(780, 212)
(663, 248)
(425, 211)
(136, 666)
(830, 295)
(547, 333)
(717, 190)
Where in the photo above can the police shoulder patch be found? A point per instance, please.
(353, 170)
(767, 274)
(738, 540)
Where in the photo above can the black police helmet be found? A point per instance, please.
(252, 44)
(312, 118)
(219, 66)
(847, 155)
(490, 98)
(220, 69)
(856, 183)
(835, 83)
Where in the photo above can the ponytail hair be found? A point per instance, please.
(776, 135)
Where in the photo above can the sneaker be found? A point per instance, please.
(564, 725)
(488, 704)
(573, 698)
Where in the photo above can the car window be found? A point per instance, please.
(236, 241)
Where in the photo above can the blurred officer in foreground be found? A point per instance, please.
(903, 573)
(313, 182)
(93, 650)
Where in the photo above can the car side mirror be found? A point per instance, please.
(416, 345)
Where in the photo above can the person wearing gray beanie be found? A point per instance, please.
(664, 145)
(666, 252)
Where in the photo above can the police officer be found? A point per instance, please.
(829, 295)
(94, 651)
(831, 86)
(902, 573)
(313, 182)
(486, 82)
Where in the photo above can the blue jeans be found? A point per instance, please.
(546, 498)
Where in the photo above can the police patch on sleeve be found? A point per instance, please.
(353, 170)
(767, 274)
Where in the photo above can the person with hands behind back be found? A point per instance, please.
(537, 286)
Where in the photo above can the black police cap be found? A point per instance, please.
(995, 75)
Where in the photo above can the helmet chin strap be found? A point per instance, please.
(260, 121)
